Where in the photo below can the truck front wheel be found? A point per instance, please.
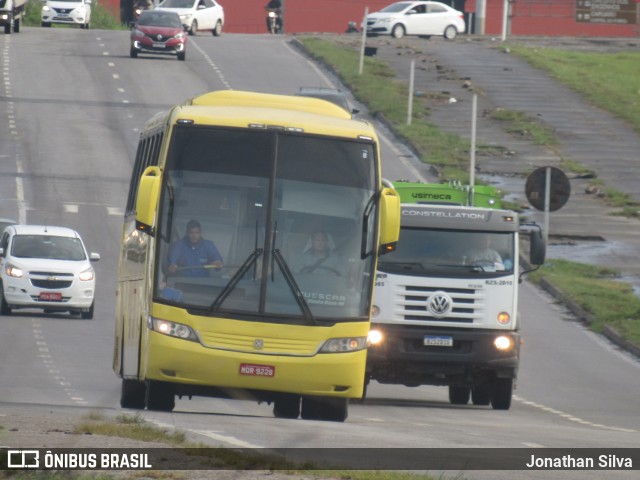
(501, 394)
(459, 395)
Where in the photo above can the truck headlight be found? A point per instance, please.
(503, 343)
(375, 337)
(172, 329)
(342, 345)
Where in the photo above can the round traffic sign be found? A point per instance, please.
(559, 191)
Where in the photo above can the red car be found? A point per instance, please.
(158, 32)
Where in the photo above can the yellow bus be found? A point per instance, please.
(257, 175)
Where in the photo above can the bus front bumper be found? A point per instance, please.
(193, 367)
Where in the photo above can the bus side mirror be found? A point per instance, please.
(389, 220)
(537, 247)
(147, 199)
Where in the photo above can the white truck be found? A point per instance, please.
(11, 14)
(446, 300)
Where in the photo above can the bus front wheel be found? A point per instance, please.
(159, 396)
(132, 394)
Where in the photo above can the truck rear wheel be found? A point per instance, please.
(501, 394)
(459, 395)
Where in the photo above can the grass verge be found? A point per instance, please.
(200, 456)
(596, 290)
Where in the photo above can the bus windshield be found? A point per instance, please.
(283, 211)
(451, 252)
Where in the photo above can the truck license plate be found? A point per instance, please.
(257, 370)
(438, 341)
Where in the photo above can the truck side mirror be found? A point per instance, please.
(537, 247)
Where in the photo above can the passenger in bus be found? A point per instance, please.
(318, 256)
(483, 253)
(192, 255)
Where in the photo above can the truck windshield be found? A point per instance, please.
(285, 214)
(450, 252)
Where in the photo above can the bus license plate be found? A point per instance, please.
(438, 341)
(50, 296)
(257, 370)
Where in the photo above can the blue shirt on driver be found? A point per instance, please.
(184, 254)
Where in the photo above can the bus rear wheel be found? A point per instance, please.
(159, 396)
(132, 394)
(325, 408)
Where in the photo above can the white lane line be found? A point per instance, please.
(213, 435)
(572, 418)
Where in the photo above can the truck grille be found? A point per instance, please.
(468, 304)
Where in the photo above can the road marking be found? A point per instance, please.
(570, 417)
(212, 64)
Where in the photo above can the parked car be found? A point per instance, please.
(158, 32)
(197, 15)
(416, 18)
(46, 268)
(333, 95)
(71, 12)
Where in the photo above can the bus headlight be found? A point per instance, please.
(503, 343)
(342, 345)
(173, 329)
(375, 337)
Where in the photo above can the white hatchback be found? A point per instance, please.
(71, 12)
(46, 268)
(197, 15)
(416, 18)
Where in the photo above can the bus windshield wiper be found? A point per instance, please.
(293, 286)
(228, 288)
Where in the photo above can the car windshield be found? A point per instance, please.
(177, 4)
(48, 246)
(158, 19)
(396, 7)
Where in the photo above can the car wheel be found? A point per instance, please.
(182, 55)
(194, 28)
(398, 31)
(450, 32)
(133, 53)
(46, 24)
(5, 309)
(217, 31)
(86, 26)
(88, 315)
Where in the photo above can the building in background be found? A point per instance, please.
(606, 18)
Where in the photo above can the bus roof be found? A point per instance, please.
(261, 110)
(234, 98)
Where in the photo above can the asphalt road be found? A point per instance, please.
(73, 103)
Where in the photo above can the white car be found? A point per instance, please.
(46, 268)
(416, 18)
(197, 14)
(71, 12)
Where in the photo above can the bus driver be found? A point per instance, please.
(192, 254)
